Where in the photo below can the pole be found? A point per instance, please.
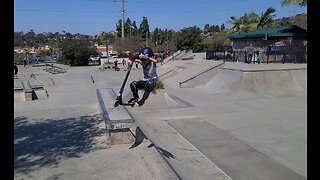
(122, 20)
(167, 43)
(107, 47)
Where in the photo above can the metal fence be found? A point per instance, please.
(263, 57)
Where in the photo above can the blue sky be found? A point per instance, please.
(92, 17)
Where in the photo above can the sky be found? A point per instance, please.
(91, 17)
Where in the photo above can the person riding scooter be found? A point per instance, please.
(149, 81)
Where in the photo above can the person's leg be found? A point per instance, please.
(148, 88)
(134, 90)
(249, 58)
(135, 86)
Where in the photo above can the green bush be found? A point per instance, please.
(19, 57)
(159, 85)
(63, 60)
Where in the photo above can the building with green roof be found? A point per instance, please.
(289, 39)
(283, 32)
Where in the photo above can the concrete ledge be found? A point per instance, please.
(28, 91)
(188, 58)
(18, 85)
(119, 123)
(55, 68)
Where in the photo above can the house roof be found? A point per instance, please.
(284, 31)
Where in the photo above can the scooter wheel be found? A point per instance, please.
(116, 103)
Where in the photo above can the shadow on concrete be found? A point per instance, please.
(163, 152)
(44, 142)
(139, 137)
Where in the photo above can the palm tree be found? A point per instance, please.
(267, 17)
(236, 23)
(297, 2)
(250, 21)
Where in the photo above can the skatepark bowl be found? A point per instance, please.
(213, 120)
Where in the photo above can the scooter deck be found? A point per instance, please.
(117, 103)
(128, 104)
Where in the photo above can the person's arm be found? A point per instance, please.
(141, 56)
(153, 60)
(133, 58)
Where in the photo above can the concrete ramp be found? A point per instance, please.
(191, 69)
(171, 72)
(160, 100)
(301, 78)
(255, 84)
(202, 77)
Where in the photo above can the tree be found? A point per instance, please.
(29, 38)
(294, 2)
(101, 38)
(215, 42)
(76, 52)
(206, 28)
(135, 30)
(222, 27)
(119, 28)
(130, 28)
(18, 40)
(250, 18)
(267, 17)
(127, 27)
(251, 21)
(236, 22)
(144, 28)
(156, 36)
(188, 38)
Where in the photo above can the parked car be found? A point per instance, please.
(94, 60)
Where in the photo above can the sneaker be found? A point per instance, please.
(141, 102)
(133, 100)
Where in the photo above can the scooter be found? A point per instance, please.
(119, 97)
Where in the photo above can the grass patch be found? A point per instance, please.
(159, 85)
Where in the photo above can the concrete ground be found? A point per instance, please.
(193, 132)
(64, 136)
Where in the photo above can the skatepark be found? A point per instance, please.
(213, 120)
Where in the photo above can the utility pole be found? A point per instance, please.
(122, 20)
(167, 43)
(107, 47)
